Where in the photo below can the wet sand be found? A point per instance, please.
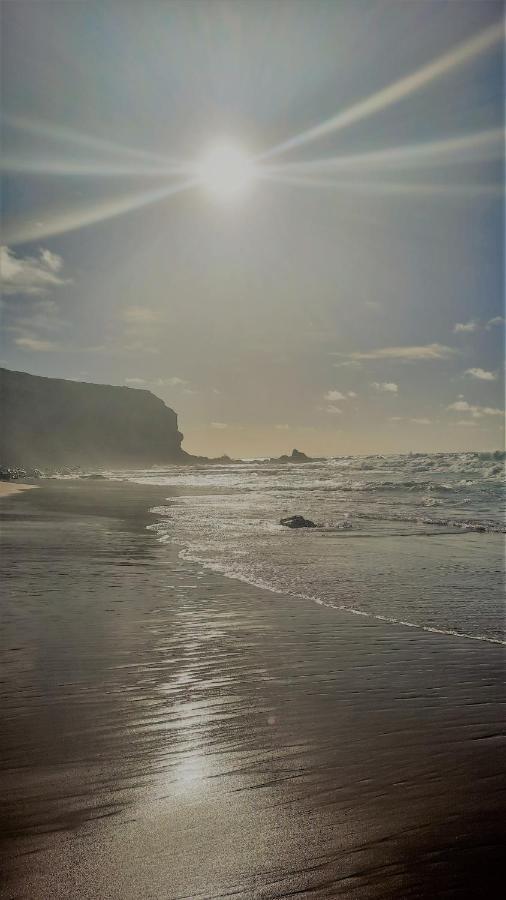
(7, 488)
(168, 733)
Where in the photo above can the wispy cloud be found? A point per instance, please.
(416, 420)
(476, 325)
(30, 275)
(481, 374)
(333, 410)
(348, 364)
(408, 353)
(385, 387)
(140, 315)
(496, 321)
(334, 396)
(173, 381)
(36, 345)
(220, 426)
(477, 412)
(466, 327)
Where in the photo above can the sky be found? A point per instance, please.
(345, 294)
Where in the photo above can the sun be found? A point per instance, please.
(226, 171)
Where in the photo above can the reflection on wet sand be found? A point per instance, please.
(169, 733)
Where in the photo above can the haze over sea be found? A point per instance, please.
(415, 539)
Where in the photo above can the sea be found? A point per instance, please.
(415, 539)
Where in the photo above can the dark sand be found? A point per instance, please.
(169, 733)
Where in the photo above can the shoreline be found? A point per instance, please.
(8, 488)
(217, 738)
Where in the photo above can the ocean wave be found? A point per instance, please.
(237, 573)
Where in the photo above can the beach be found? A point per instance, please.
(168, 732)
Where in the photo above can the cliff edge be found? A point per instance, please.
(54, 422)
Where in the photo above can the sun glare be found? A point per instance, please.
(226, 171)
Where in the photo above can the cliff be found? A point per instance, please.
(53, 422)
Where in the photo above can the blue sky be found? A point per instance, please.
(351, 301)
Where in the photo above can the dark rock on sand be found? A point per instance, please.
(297, 522)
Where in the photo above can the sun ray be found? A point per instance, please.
(68, 135)
(485, 145)
(388, 187)
(459, 56)
(80, 218)
(60, 167)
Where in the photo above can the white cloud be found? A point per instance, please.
(282, 427)
(348, 364)
(477, 412)
(51, 260)
(30, 275)
(481, 374)
(333, 396)
(219, 425)
(466, 423)
(137, 381)
(466, 327)
(352, 394)
(414, 421)
(385, 387)
(407, 353)
(334, 410)
(475, 325)
(37, 345)
(140, 315)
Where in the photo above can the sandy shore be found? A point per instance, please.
(7, 488)
(169, 733)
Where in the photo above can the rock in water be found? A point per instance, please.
(297, 522)
(299, 456)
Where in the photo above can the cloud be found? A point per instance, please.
(373, 305)
(466, 327)
(477, 412)
(348, 363)
(334, 410)
(466, 423)
(406, 353)
(219, 425)
(413, 421)
(174, 381)
(52, 261)
(385, 387)
(30, 275)
(481, 374)
(282, 427)
(333, 396)
(352, 394)
(140, 315)
(37, 345)
(475, 325)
